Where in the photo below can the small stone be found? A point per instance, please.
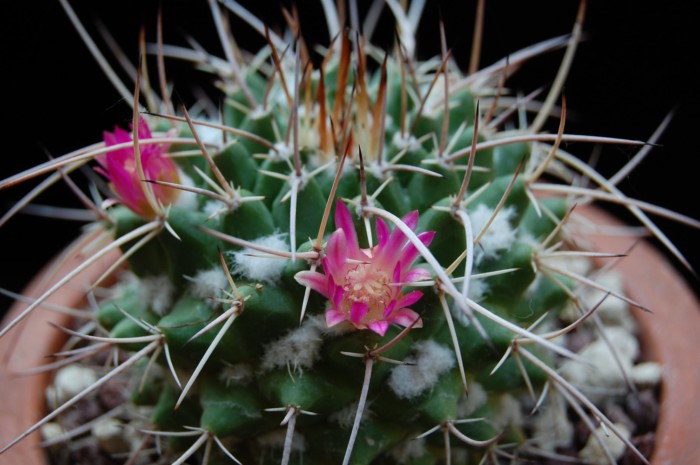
(69, 381)
(601, 369)
(643, 409)
(89, 453)
(644, 444)
(553, 429)
(613, 311)
(83, 412)
(647, 374)
(617, 414)
(110, 436)
(51, 431)
(593, 453)
(577, 340)
(113, 393)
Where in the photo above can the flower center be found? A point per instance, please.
(364, 283)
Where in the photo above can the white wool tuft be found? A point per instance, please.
(208, 284)
(345, 417)
(239, 374)
(157, 292)
(476, 399)
(500, 234)
(508, 413)
(431, 360)
(213, 207)
(404, 141)
(250, 264)
(299, 349)
(210, 135)
(408, 451)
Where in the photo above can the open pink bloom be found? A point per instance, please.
(119, 166)
(364, 286)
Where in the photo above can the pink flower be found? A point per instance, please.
(364, 286)
(119, 166)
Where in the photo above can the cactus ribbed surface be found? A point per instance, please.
(358, 263)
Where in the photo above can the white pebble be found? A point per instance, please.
(593, 453)
(69, 381)
(552, 426)
(110, 436)
(647, 374)
(613, 311)
(51, 431)
(601, 369)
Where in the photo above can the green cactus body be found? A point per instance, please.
(303, 366)
(357, 362)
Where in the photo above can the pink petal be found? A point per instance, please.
(117, 137)
(379, 327)
(410, 252)
(337, 294)
(333, 317)
(411, 220)
(389, 308)
(336, 255)
(409, 299)
(396, 276)
(389, 254)
(358, 311)
(122, 159)
(416, 274)
(382, 233)
(405, 317)
(315, 280)
(143, 129)
(119, 166)
(343, 220)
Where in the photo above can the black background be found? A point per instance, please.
(639, 61)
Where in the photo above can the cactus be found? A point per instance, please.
(355, 264)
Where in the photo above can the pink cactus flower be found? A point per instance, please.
(119, 166)
(363, 286)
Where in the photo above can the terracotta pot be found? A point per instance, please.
(670, 335)
(22, 400)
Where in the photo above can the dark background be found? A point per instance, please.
(637, 63)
